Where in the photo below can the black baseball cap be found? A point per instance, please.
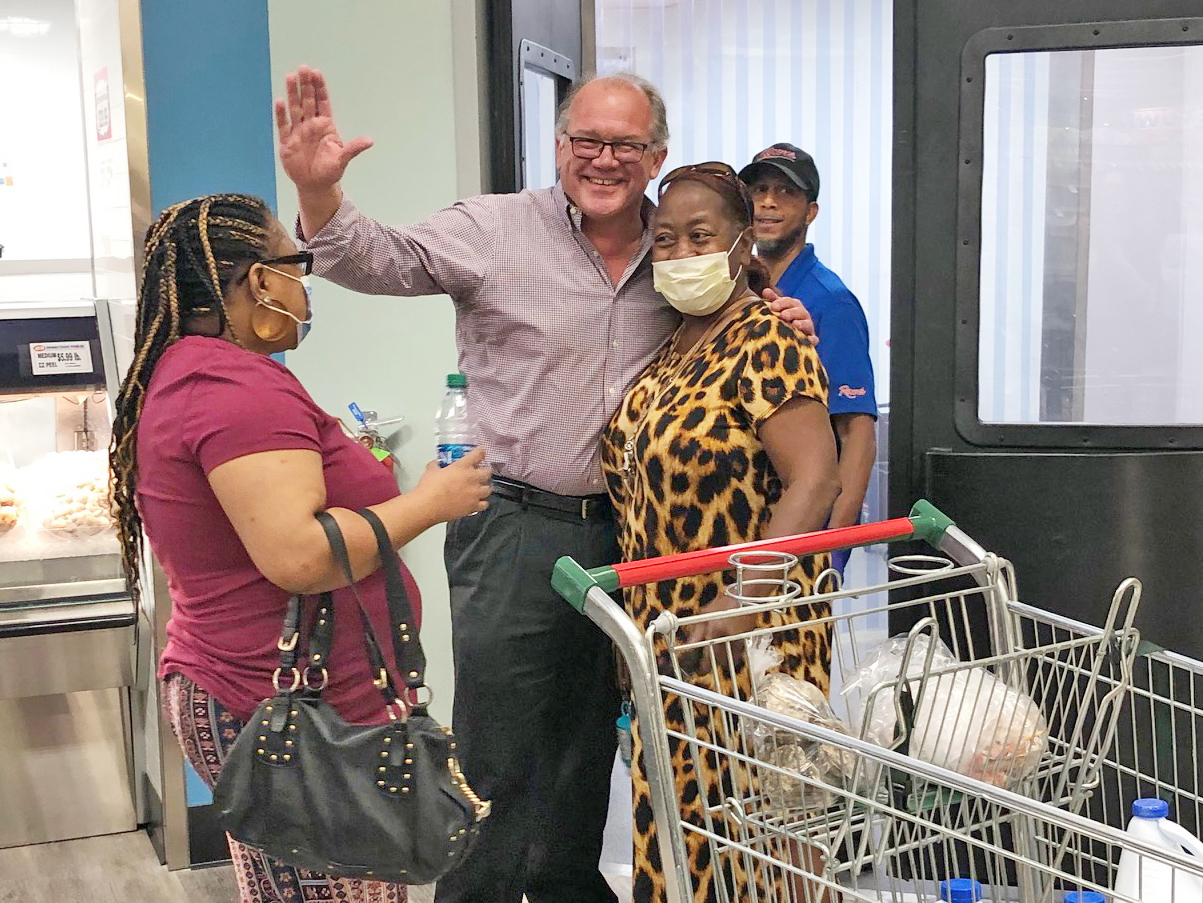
(797, 165)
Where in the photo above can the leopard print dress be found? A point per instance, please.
(699, 478)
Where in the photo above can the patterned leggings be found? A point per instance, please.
(206, 731)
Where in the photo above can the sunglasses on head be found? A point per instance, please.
(715, 169)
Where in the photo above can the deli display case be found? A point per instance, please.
(68, 623)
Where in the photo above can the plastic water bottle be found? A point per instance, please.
(960, 890)
(1148, 879)
(626, 740)
(453, 428)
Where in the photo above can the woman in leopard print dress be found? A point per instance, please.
(725, 438)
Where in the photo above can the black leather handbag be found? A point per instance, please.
(385, 802)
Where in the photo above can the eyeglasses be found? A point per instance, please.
(715, 169)
(623, 151)
(303, 259)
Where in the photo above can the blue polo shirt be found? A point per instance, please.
(843, 332)
(843, 341)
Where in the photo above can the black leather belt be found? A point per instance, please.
(583, 506)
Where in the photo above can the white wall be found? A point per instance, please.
(391, 69)
(43, 195)
(107, 152)
(43, 213)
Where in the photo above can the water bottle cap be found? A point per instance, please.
(960, 890)
(457, 381)
(1085, 896)
(1151, 808)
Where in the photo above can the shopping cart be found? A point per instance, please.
(894, 817)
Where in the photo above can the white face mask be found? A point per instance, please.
(697, 286)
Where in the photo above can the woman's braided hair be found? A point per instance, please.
(193, 254)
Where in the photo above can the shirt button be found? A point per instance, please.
(614, 344)
(613, 391)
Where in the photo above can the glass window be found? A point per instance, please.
(1091, 276)
(538, 127)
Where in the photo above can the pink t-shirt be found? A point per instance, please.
(209, 402)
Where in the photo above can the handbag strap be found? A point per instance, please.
(407, 647)
(382, 680)
(321, 639)
(290, 636)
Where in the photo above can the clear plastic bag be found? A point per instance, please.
(817, 763)
(883, 665)
(965, 718)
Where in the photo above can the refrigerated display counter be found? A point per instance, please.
(68, 624)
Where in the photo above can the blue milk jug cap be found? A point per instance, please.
(1151, 808)
(1085, 896)
(960, 890)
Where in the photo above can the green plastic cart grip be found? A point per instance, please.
(929, 522)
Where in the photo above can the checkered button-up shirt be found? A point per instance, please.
(549, 344)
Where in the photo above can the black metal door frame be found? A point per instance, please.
(1075, 507)
(554, 25)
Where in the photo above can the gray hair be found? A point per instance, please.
(659, 135)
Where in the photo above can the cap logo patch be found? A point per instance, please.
(776, 152)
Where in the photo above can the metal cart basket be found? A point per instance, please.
(1056, 726)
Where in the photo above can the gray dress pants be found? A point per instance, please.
(535, 703)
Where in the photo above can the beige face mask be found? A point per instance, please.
(303, 326)
(697, 286)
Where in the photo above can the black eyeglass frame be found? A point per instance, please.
(303, 259)
(641, 146)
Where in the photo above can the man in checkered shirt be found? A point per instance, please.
(555, 317)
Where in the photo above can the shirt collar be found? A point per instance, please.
(566, 206)
(801, 265)
(575, 217)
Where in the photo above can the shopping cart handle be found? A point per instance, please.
(929, 522)
(573, 582)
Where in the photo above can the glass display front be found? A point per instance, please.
(57, 532)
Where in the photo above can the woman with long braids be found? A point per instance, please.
(224, 459)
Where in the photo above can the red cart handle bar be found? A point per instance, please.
(573, 582)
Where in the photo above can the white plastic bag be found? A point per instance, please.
(616, 863)
(965, 720)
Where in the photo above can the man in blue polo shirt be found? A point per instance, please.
(784, 183)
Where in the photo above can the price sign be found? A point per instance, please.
(53, 358)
